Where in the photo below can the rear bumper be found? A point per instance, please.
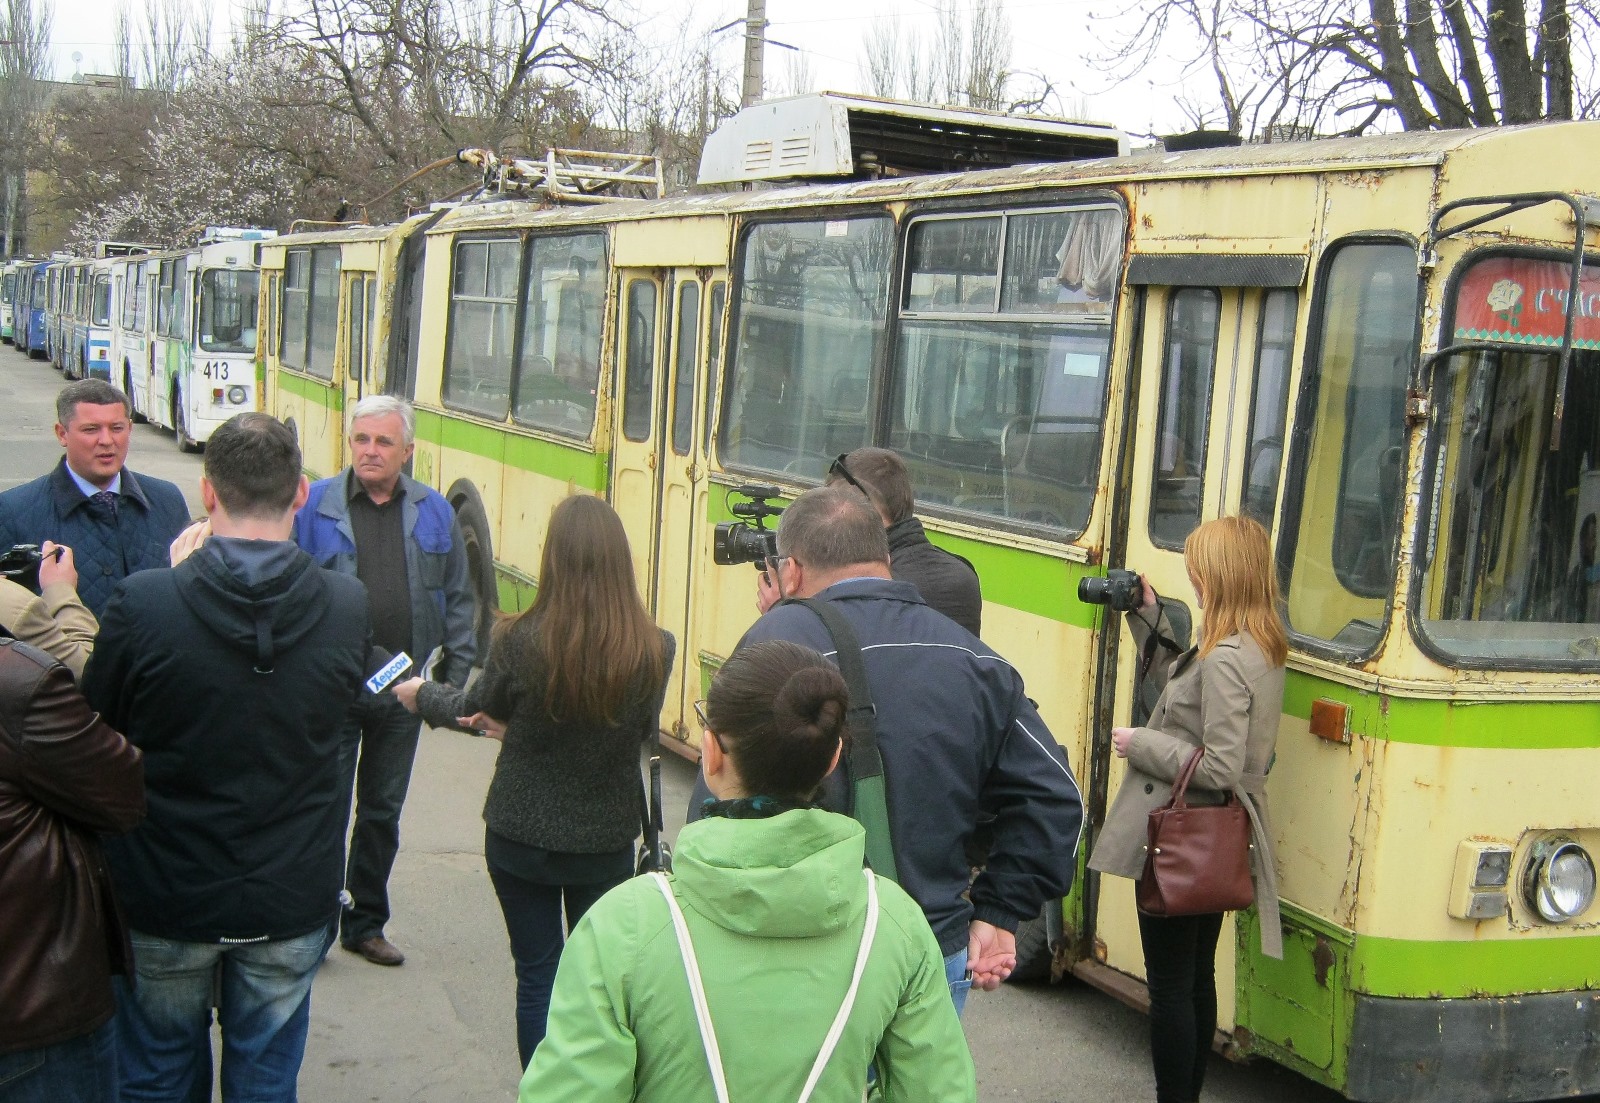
(1478, 1050)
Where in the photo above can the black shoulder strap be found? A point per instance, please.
(865, 760)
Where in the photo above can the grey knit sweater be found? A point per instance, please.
(565, 787)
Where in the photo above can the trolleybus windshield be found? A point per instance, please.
(228, 310)
(1512, 573)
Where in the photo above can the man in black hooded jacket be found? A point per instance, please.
(233, 672)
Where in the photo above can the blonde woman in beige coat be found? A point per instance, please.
(1224, 694)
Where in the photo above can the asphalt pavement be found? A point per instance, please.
(439, 1029)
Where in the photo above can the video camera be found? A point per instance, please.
(752, 541)
(21, 565)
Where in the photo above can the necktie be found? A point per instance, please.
(107, 499)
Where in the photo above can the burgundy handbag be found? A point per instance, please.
(1198, 858)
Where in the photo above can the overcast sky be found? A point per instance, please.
(1050, 36)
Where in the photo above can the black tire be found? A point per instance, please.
(1033, 952)
(475, 538)
(180, 427)
(127, 389)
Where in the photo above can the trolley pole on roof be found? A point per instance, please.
(755, 34)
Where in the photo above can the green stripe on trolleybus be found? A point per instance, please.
(1486, 967)
(1519, 725)
(557, 461)
(312, 390)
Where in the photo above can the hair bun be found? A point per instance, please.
(814, 697)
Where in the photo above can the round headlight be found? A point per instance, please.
(1560, 880)
(237, 395)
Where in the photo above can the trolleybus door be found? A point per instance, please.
(1179, 432)
(638, 419)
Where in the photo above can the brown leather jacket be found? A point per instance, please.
(64, 774)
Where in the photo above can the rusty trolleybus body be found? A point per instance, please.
(1386, 349)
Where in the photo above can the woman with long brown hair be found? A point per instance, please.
(577, 681)
(1224, 695)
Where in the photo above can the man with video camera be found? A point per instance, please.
(958, 738)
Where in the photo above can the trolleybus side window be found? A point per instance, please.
(1350, 459)
(356, 328)
(483, 308)
(101, 315)
(166, 297)
(322, 338)
(813, 305)
(998, 389)
(1512, 571)
(296, 307)
(1269, 406)
(640, 368)
(683, 367)
(719, 299)
(228, 309)
(563, 310)
(1179, 471)
(133, 299)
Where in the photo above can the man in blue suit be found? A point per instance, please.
(115, 521)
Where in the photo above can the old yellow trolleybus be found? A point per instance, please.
(1386, 349)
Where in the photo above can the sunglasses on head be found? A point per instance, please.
(838, 468)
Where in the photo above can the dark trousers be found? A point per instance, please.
(533, 920)
(382, 774)
(1180, 963)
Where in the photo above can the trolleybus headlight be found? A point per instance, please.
(237, 395)
(1559, 880)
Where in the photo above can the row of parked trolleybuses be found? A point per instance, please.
(1387, 349)
(175, 329)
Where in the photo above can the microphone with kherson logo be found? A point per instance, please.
(387, 674)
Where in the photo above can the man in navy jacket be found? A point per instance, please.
(115, 521)
(956, 730)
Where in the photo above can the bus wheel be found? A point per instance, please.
(180, 427)
(475, 538)
(1033, 949)
(127, 389)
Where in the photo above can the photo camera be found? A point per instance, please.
(748, 541)
(21, 565)
(1119, 590)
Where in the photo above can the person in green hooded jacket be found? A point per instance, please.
(769, 965)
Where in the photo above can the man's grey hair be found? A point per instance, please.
(382, 405)
(832, 527)
(96, 392)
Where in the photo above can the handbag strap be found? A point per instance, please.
(702, 1012)
(869, 797)
(1180, 787)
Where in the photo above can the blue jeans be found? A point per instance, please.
(79, 1070)
(533, 920)
(388, 741)
(955, 971)
(262, 992)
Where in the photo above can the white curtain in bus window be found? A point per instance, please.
(322, 341)
(1183, 427)
(813, 299)
(483, 308)
(296, 307)
(558, 368)
(228, 309)
(1349, 466)
(1269, 406)
(1512, 575)
(999, 380)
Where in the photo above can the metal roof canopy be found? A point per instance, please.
(826, 135)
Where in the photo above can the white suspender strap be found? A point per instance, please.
(697, 992)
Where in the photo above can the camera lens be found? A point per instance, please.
(1092, 590)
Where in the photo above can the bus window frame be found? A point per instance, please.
(1251, 441)
(1426, 538)
(519, 320)
(1025, 203)
(1208, 422)
(883, 344)
(1291, 499)
(474, 237)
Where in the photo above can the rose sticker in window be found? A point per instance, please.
(1505, 299)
